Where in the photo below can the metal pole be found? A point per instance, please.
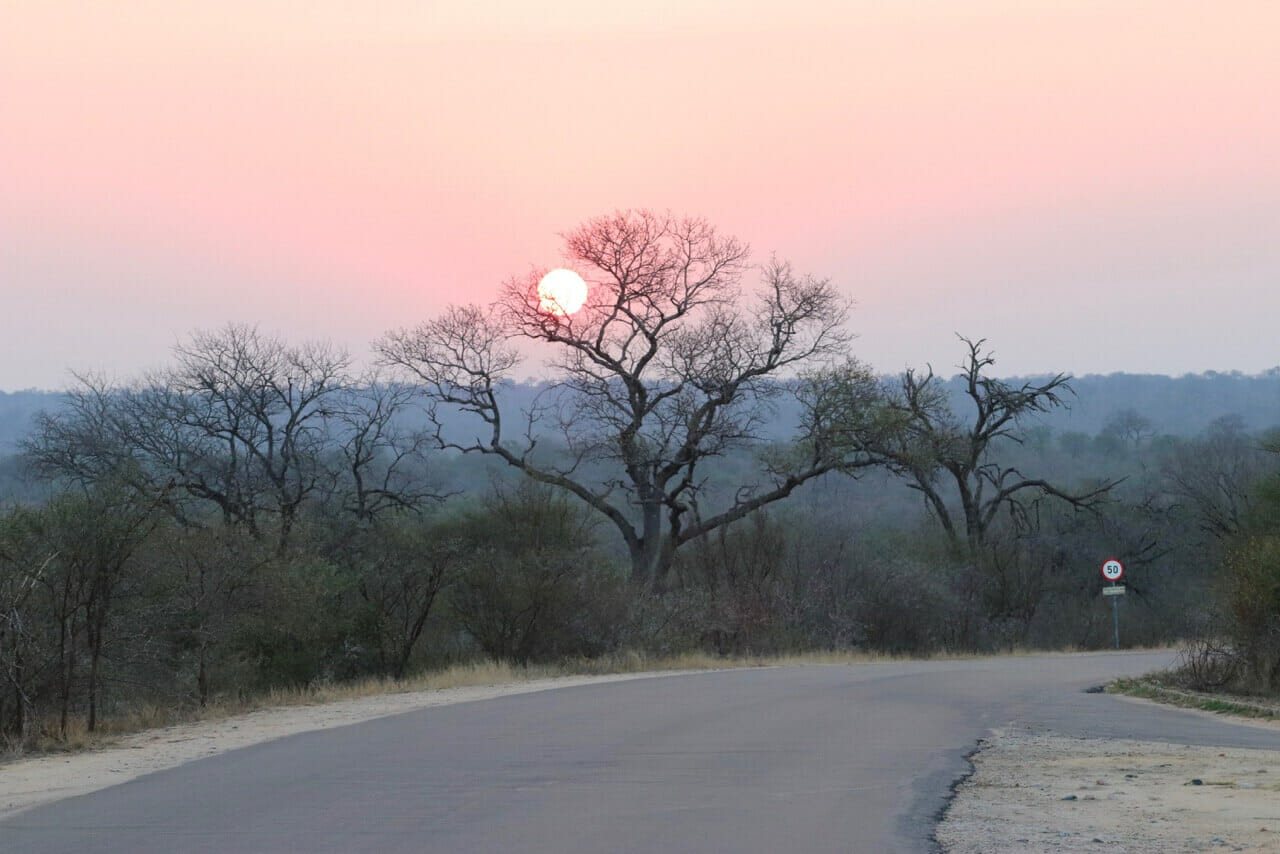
(1115, 617)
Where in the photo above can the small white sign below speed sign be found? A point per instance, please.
(1112, 570)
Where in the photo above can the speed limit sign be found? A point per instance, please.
(1112, 569)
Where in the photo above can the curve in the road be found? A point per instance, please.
(806, 759)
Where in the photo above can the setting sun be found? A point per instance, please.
(561, 292)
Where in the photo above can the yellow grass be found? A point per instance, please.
(479, 673)
(497, 673)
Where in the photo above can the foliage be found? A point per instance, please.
(206, 585)
(1252, 589)
(534, 587)
(398, 568)
(123, 586)
(65, 568)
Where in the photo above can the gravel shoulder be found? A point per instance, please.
(1044, 792)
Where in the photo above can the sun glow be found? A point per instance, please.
(561, 292)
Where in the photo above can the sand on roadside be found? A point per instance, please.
(1042, 792)
(36, 780)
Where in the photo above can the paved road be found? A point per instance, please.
(790, 759)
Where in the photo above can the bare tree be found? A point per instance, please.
(247, 425)
(670, 363)
(1215, 474)
(101, 433)
(239, 422)
(947, 458)
(381, 461)
(256, 410)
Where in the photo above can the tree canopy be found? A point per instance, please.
(673, 359)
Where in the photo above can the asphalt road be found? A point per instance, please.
(851, 758)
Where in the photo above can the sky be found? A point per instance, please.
(1091, 186)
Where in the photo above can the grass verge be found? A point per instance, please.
(1150, 688)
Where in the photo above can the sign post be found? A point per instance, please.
(1113, 571)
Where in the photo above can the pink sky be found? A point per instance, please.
(1093, 186)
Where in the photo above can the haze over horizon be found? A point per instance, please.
(1093, 187)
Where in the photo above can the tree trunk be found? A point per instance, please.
(20, 699)
(647, 553)
(94, 658)
(202, 674)
(411, 637)
(96, 628)
(66, 651)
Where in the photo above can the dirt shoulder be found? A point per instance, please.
(1037, 792)
(30, 782)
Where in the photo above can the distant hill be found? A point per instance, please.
(1180, 406)
(16, 411)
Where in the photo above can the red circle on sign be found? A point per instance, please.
(1112, 569)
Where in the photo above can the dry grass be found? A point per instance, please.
(498, 673)
(480, 673)
(474, 674)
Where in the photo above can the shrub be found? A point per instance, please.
(534, 586)
(1206, 666)
(1251, 576)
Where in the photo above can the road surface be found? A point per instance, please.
(850, 758)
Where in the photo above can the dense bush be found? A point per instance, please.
(1252, 587)
(534, 585)
(119, 588)
(1250, 579)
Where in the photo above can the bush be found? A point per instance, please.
(737, 576)
(298, 635)
(1206, 666)
(1251, 576)
(534, 586)
(774, 583)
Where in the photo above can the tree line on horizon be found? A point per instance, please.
(1174, 405)
(257, 514)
